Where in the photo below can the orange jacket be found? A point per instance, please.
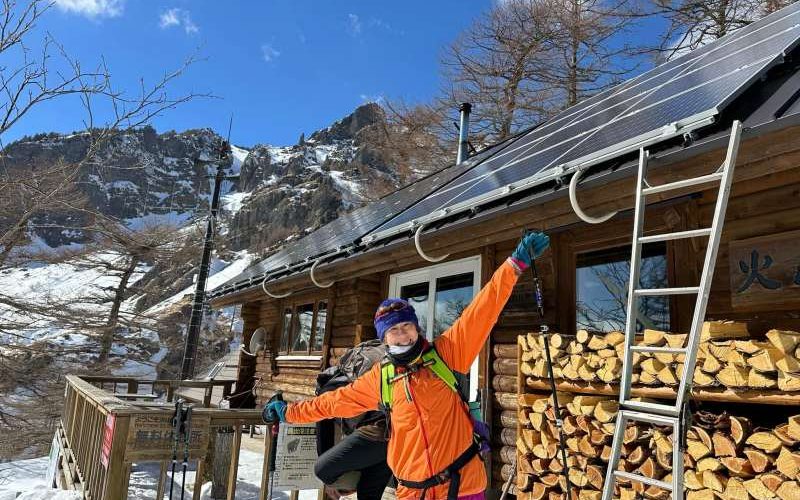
(432, 430)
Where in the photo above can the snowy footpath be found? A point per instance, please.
(25, 480)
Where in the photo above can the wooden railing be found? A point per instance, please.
(103, 433)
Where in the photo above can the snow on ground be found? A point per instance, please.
(239, 156)
(282, 154)
(171, 218)
(239, 264)
(27, 479)
(51, 284)
(232, 202)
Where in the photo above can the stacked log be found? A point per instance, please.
(726, 358)
(726, 456)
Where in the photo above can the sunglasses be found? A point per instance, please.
(394, 306)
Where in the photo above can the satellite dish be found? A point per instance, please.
(258, 342)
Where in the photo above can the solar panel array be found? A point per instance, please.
(692, 88)
(353, 225)
(683, 93)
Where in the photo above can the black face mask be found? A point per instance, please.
(411, 354)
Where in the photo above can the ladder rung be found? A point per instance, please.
(675, 236)
(643, 479)
(648, 417)
(650, 348)
(705, 179)
(661, 410)
(667, 291)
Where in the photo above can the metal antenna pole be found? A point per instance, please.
(196, 319)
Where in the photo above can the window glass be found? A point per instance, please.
(301, 331)
(453, 295)
(286, 331)
(417, 296)
(319, 334)
(602, 289)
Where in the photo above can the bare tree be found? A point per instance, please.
(692, 24)
(527, 59)
(412, 138)
(118, 253)
(591, 53)
(497, 65)
(44, 75)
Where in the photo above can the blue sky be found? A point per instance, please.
(281, 67)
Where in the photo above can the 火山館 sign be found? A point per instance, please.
(765, 272)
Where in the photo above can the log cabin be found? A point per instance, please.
(439, 239)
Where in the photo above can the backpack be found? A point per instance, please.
(354, 363)
(434, 362)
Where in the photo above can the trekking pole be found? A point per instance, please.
(544, 332)
(507, 485)
(187, 435)
(273, 445)
(176, 427)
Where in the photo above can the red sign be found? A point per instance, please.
(108, 437)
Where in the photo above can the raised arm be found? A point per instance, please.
(348, 401)
(461, 343)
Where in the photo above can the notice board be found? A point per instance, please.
(295, 457)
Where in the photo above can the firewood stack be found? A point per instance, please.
(726, 458)
(727, 358)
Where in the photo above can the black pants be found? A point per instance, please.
(356, 452)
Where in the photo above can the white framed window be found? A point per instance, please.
(439, 294)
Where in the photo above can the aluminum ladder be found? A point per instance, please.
(663, 414)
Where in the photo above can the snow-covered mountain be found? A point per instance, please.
(145, 180)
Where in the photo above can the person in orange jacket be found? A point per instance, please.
(432, 448)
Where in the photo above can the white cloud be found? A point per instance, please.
(354, 25)
(92, 8)
(180, 18)
(269, 52)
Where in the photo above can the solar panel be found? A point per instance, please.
(348, 228)
(674, 98)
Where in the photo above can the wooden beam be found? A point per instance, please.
(702, 394)
(233, 471)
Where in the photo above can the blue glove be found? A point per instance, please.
(530, 247)
(274, 411)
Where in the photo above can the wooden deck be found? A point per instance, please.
(110, 423)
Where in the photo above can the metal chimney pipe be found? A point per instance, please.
(463, 133)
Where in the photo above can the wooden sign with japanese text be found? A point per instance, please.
(151, 437)
(765, 272)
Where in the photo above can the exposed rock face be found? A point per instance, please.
(142, 177)
(139, 175)
(294, 190)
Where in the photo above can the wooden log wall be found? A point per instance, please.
(504, 406)
(353, 310)
(756, 208)
(350, 309)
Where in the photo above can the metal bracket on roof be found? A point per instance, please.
(573, 200)
(421, 253)
(273, 295)
(314, 279)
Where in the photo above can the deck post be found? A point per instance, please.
(116, 483)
